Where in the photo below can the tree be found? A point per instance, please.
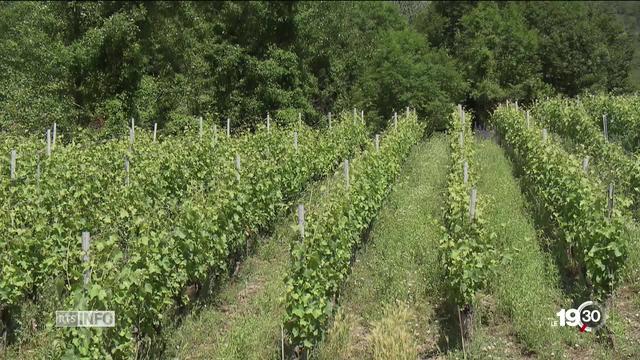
(499, 53)
(582, 46)
(404, 71)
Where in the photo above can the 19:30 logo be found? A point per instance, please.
(589, 316)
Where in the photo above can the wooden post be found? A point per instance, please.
(346, 174)
(132, 136)
(605, 127)
(610, 201)
(48, 142)
(544, 135)
(395, 120)
(329, 120)
(55, 133)
(301, 219)
(299, 119)
(585, 164)
(407, 111)
(282, 340)
(465, 172)
(464, 351)
(377, 143)
(86, 242)
(228, 127)
(472, 204)
(527, 118)
(362, 116)
(461, 114)
(238, 167)
(295, 140)
(126, 171)
(268, 123)
(200, 126)
(461, 139)
(516, 105)
(12, 164)
(155, 131)
(132, 132)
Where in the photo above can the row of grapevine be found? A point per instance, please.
(177, 217)
(589, 229)
(321, 259)
(570, 120)
(466, 250)
(623, 115)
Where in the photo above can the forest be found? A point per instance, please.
(95, 65)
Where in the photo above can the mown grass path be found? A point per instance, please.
(525, 289)
(386, 310)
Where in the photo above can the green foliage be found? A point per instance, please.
(570, 120)
(404, 71)
(98, 64)
(582, 46)
(623, 113)
(181, 219)
(495, 46)
(521, 51)
(574, 204)
(320, 261)
(467, 251)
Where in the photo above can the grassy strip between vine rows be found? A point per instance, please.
(180, 219)
(467, 251)
(574, 204)
(525, 289)
(388, 307)
(320, 261)
(623, 113)
(570, 120)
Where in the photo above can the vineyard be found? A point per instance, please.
(331, 180)
(536, 215)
